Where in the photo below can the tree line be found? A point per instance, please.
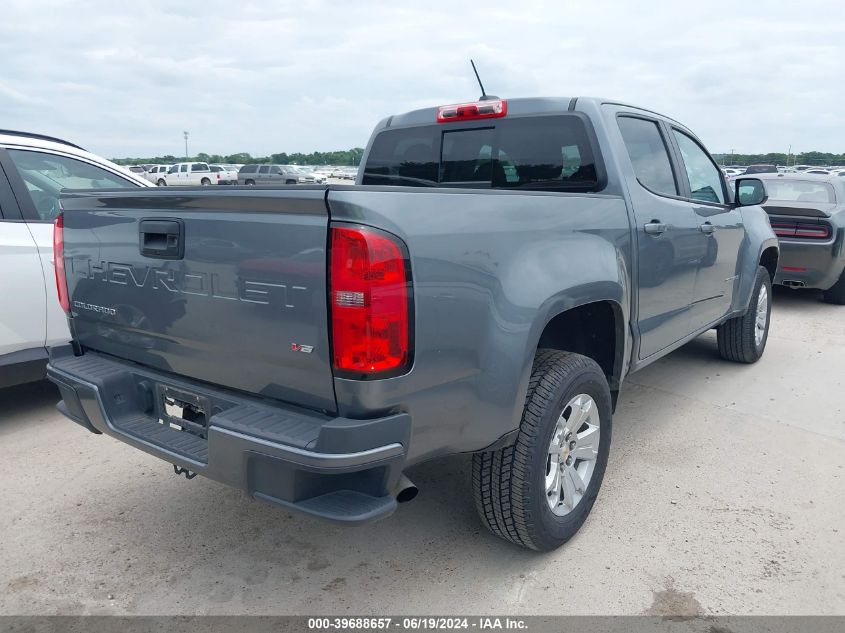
(349, 157)
(781, 158)
(352, 157)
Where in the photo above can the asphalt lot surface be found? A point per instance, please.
(724, 494)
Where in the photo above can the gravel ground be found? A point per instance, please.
(724, 495)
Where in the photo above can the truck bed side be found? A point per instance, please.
(490, 270)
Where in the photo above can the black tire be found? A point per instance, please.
(161, 182)
(836, 293)
(290, 182)
(736, 337)
(509, 484)
(205, 182)
(249, 182)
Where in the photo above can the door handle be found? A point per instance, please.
(707, 228)
(162, 239)
(655, 227)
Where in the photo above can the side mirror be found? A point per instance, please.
(749, 192)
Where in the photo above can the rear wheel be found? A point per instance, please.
(836, 293)
(161, 182)
(538, 492)
(205, 182)
(249, 182)
(743, 338)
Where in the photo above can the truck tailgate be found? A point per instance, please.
(227, 287)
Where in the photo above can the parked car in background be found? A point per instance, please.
(305, 176)
(514, 263)
(224, 175)
(256, 174)
(761, 169)
(33, 169)
(138, 170)
(818, 171)
(155, 174)
(324, 172)
(731, 172)
(310, 170)
(807, 213)
(189, 174)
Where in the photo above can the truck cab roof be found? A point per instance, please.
(517, 106)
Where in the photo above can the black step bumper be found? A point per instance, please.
(334, 468)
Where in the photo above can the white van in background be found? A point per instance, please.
(192, 174)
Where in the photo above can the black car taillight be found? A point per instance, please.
(785, 228)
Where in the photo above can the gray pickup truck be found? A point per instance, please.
(485, 287)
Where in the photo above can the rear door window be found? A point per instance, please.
(544, 153)
(263, 169)
(649, 155)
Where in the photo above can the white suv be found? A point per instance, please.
(193, 174)
(33, 170)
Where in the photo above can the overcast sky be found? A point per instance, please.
(126, 78)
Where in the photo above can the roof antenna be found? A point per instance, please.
(484, 95)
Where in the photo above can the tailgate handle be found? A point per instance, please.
(162, 239)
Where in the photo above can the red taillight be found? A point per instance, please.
(370, 294)
(472, 111)
(59, 263)
(796, 229)
(819, 232)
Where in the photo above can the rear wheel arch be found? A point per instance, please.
(769, 261)
(595, 330)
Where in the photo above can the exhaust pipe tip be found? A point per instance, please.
(405, 490)
(791, 283)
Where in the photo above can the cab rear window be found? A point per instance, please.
(553, 153)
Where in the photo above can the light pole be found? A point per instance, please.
(185, 134)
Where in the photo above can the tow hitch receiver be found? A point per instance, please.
(184, 471)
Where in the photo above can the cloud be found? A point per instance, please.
(16, 96)
(264, 77)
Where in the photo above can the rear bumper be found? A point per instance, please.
(334, 468)
(816, 265)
